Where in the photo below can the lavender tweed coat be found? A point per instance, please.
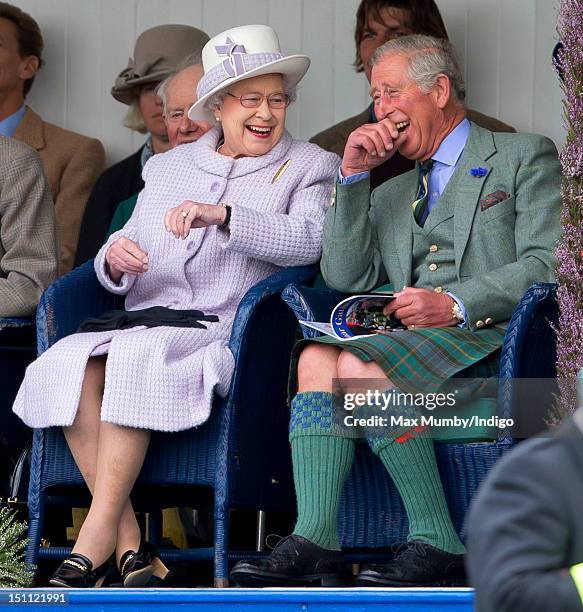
(164, 378)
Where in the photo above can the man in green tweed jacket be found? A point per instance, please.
(461, 238)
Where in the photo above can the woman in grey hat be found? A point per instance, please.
(215, 217)
(157, 54)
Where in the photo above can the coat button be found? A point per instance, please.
(488, 321)
(214, 186)
(433, 248)
(438, 290)
(433, 267)
(479, 324)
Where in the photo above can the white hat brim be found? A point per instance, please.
(293, 67)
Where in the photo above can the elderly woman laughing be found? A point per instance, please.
(215, 217)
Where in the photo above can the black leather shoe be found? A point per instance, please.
(76, 572)
(416, 565)
(295, 561)
(137, 568)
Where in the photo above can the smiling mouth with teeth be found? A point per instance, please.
(259, 131)
(402, 126)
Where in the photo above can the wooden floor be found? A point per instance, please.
(239, 600)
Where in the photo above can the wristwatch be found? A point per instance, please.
(456, 312)
(225, 223)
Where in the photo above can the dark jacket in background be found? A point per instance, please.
(117, 183)
(525, 527)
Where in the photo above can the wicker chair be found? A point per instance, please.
(371, 511)
(16, 352)
(226, 456)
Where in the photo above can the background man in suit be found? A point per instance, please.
(71, 162)
(378, 21)
(28, 244)
(525, 540)
(461, 238)
(28, 264)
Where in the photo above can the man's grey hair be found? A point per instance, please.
(216, 100)
(428, 58)
(193, 59)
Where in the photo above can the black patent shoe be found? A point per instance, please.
(295, 561)
(138, 569)
(76, 572)
(416, 565)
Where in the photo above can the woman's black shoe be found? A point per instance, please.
(416, 565)
(76, 572)
(295, 561)
(137, 568)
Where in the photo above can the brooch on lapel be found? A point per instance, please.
(280, 172)
(493, 198)
(478, 172)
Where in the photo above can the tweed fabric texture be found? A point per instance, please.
(71, 162)
(28, 240)
(165, 378)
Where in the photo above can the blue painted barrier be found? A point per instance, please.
(239, 600)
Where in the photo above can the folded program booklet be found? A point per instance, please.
(359, 316)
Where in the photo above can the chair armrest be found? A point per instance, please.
(15, 322)
(310, 304)
(272, 285)
(68, 302)
(529, 348)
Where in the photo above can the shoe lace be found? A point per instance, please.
(272, 540)
(410, 549)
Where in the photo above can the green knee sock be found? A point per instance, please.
(321, 463)
(413, 468)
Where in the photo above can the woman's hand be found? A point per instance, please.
(180, 219)
(124, 256)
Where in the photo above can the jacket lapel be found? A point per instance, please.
(30, 130)
(468, 187)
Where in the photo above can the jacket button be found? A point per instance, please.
(438, 290)
(433, 248)
(214, 186)
(488, 321)
(479, 324)
(433, 267)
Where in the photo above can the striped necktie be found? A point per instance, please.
(419, 206)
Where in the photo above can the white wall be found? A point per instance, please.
(505, 47)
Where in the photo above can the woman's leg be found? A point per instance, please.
(83, 440)
(120, 455)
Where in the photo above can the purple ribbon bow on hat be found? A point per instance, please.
(233, 65)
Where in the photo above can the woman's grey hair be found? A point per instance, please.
(134, 119)
(192, 60)
(216, 100)
(428, 58)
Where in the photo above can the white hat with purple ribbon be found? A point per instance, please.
(241, 53)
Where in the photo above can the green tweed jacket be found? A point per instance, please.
(500, 250)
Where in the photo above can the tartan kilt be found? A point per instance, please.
(421, 358)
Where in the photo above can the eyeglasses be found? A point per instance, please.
(254, 100)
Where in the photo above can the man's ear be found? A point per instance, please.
(442, 91)
(28, 67)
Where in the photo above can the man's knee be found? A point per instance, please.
(317, 364)
(350, 366)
